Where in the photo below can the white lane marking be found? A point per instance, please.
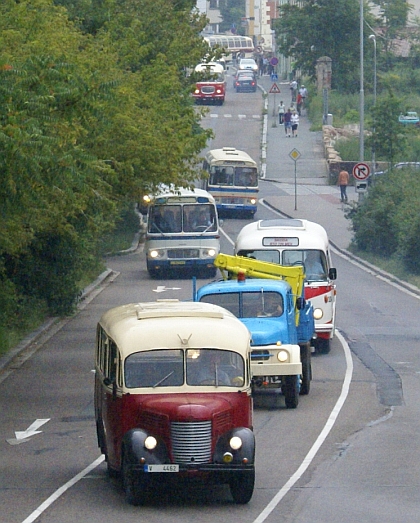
(49, 501)
(307, 460)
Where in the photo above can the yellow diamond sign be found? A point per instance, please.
(295, 154)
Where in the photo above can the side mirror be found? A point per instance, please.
(300, 303)
(332, 273)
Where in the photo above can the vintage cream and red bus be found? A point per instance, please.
(232, 180)
(293, 242)
(173, 396)
(211, 87)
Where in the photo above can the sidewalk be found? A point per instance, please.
(311, 198)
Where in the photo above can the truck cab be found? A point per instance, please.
(280, 321)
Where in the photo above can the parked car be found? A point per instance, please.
(248, 63)
(410, 117)
(245, 81)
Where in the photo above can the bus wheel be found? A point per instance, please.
(242, 486)
(323, 345)
(290, 388)
(132, 485)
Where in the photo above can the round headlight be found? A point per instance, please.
(211, 252)
(154, 254)
(282, 355)
(150, 443)
(235, 442)
(318, 314)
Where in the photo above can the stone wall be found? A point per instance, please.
(334, 161)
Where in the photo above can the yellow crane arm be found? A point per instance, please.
(259, 269)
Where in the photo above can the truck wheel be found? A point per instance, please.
(323, 345)
(290, 388)
(242, 487)
(132, 485)
(305, 357)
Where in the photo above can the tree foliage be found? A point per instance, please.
(232, 12)
(387, 222)
(311, 29)
(95, 109)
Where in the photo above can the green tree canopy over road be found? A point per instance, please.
(93, 113)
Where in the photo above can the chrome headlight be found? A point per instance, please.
(155, 253)
(209, 253)
(150, 443)
(235, 443)
(282, 356)
(318, 313)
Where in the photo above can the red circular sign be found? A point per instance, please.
(361, 171)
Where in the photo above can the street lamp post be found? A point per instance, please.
(373, 38)
(362, 94)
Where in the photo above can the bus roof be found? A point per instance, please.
(231, 43)
(310, 235)
(212, 67)
(175, 193)
(175, 325)
(229, 154)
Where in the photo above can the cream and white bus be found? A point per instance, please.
(182, 232)
(232, 180)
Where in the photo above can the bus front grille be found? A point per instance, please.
(191, 442)
(207, 89)
(183, 254)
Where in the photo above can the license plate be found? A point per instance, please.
(161, 468)
(177, 263)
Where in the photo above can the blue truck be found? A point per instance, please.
(268, 299)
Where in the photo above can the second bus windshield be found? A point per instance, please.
(182, 218)
(233, 176)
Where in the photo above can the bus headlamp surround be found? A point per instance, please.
(318, 313)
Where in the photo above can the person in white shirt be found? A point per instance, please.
(282, 110)
(295, 123)
(303, 92)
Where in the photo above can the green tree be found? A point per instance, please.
(310, 29)
(392, 19)
(232, 12)
(389, 137)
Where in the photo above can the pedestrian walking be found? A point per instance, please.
(343, 181)
(303, 93)
(288, 122)
(299, 101)
(294, 120)
(293, 89)
(281, 110)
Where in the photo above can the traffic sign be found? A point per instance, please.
(361, 171)
(274, 61)
(274, 89)
(294, 155)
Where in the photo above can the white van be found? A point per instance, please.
(298, 242)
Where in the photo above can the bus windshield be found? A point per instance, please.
(174, 367)
(180, 218)
(233, 176)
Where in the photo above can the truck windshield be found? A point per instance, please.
(259, 304)
(169, 367)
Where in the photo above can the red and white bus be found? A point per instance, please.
(296, 242)
(211, 87)
(173, 397)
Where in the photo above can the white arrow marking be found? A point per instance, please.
(30, 431)
(162, 288)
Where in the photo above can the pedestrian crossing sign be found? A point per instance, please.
(274, 89)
